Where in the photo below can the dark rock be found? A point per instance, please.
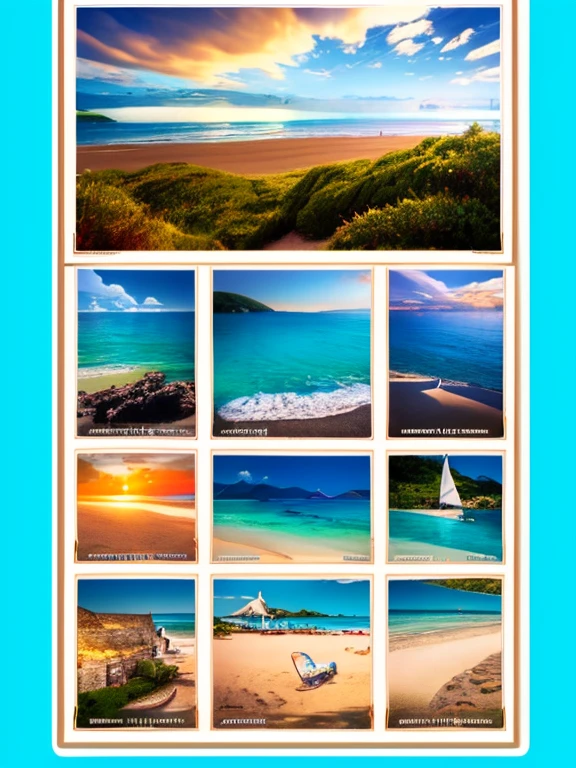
(147, 401)
(478, 688)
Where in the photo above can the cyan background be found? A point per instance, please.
(25, 168)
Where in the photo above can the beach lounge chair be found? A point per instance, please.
(312, 675)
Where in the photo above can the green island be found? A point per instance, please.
(92, 117)
(485, 586)
(226, 302)
(151, 675)
(414, 483)
(442, 194)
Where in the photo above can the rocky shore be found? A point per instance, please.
(475, 690)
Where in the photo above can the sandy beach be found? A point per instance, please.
(356, 423)
(244, 157)
(418, 404)
(124, 527)
(254, 678)
(420, 665)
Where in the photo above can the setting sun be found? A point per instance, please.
(125, 488)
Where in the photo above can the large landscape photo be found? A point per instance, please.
(292, 353)
(136, 353)
(446, 353)
(292, 654)
(309, 508)
(359, 128)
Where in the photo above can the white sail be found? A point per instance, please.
(449, 495)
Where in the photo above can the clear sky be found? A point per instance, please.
(330, 474)
(474, 466)
(300, 290)
(331, 596)
(135, 290)
(452, 289)
(415, 595)
(349, 60)
(137, 595)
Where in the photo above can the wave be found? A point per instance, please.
(289, 405)
(95, 371)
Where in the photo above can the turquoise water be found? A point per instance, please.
(280, 365)
(339, 524)
(422, 534)
(327, 623)
(419, 622)
(176, 624)
(415, 124)
(111, 342)
(457, 346)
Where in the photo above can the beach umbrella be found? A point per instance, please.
(255, 607)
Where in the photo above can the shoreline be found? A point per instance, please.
(253, 157)
(401, 642)
(354, 423)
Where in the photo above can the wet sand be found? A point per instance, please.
(118, 527)
(243, 157)
(356, 423)
(254, 678)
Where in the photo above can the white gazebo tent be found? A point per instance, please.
(255, 607)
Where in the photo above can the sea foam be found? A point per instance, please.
(289, 405)
(95, 371)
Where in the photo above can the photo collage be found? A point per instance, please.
(289, 430)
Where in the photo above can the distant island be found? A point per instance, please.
(225, 302)
(92, 117)
(264, 492)
(279, 613)
(414, 482)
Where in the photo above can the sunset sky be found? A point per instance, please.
(136, 475)
(325, 60)
(449, 289)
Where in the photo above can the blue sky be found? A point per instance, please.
(451, 289)
(133, 290)
(347, 60)
(331, 596)
(415, 595)
(330, 474)
(137, 595)
(300, 290)
(474, 466)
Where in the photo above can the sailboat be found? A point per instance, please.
(449, 496)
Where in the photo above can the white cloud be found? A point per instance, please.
(408, 74)
(224, 597)
(95, 307)
(245, 475)
(440, 58)
(437, 40)
(459, 40)
(426, 77)
(404, 31)
(151, 301)
(352, 49)
(318, 72)
(408, 48)
(411, 301)
(91, 283)
(491, 75)
(421, 293)
(486, 50)
(376, 65)
(247, 597)
(458, 73)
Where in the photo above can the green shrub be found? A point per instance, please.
(146, 668)
(107, 702)
(439, 222)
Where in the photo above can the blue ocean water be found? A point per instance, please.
(153, 341)
(281, 365)
(338, 524)
(402, 622)
(482, 537)
(176, 624)
(416, 124)
(325, 623)
(457, 346)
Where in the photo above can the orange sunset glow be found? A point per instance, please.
(113, 475)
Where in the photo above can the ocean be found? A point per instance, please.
(402, 622)
(413, 534)
(464, 347)
(341, 525)
(117, 342)
(416, 124)
(177, 625)
(286, 365)
(325, 623)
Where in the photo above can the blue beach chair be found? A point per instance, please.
(312, 675)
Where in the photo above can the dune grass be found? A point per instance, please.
(442, 194)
